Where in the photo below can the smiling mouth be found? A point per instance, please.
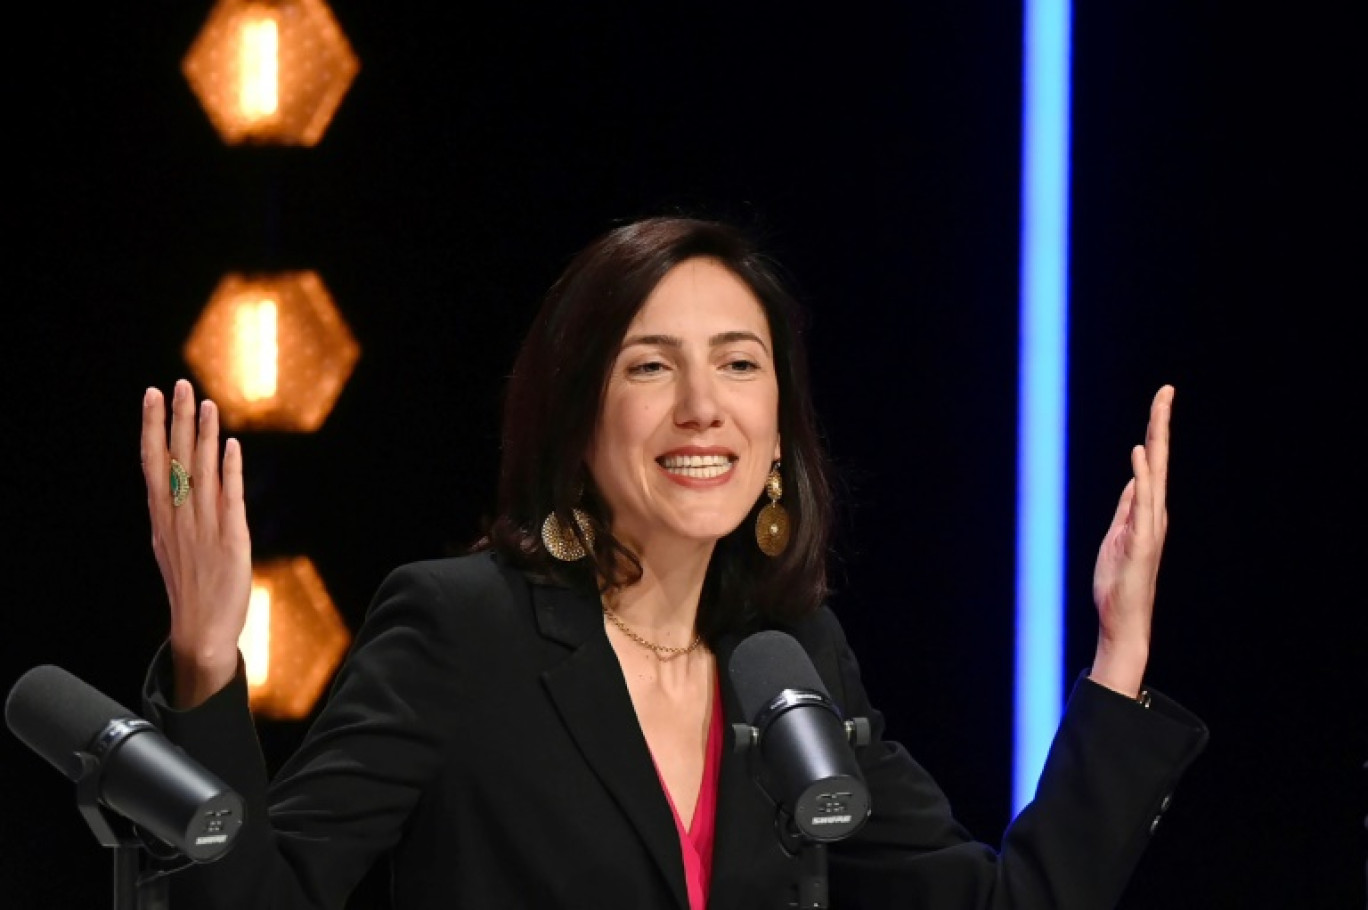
(699, 467)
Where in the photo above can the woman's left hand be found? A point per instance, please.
(1128, 561)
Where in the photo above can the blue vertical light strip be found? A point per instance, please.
(1042, 389)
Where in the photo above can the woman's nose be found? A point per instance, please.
(697, 404)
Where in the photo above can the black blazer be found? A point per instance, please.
(480, 734)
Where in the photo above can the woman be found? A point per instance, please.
(539, 724)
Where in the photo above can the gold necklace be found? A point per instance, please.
(662, 652)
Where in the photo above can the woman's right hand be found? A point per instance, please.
(202, 546)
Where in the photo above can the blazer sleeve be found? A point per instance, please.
(1111, 770)
(343, 798)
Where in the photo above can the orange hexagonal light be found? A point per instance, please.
(270, 71)
(293, 640)
(272, 351)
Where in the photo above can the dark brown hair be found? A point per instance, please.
(552, 408)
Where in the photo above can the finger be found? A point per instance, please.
(183, 426)
(154, 458)
(205, 471)
(1157, 449)
(1142, 515)
(1123, 507)
(233, 513)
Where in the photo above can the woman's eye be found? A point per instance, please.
(648, 368)
(742, 366)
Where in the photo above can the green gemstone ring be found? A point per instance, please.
(181, 484)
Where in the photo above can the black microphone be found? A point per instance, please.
(139, 773)
(803, 741)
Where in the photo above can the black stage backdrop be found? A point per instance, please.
(1216, 213)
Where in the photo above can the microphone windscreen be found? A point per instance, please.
(766, 664)
(57, 715)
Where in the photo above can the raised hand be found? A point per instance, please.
(1128, 561)
(199, 536)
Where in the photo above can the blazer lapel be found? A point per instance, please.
(745, 816)
(588, 690)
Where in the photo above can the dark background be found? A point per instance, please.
(1216, 229)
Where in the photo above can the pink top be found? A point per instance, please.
(696, 840)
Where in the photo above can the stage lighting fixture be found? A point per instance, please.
(272, 351)
(270, 71)
(293, 640)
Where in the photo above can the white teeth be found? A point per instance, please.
(716, 470)
(694, 461)
(701, 467)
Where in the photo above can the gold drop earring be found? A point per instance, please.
(562, 542)
(772, 524)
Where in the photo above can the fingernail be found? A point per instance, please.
(148, 396)
(180, 390)
(206, 408)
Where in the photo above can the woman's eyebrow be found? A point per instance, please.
(729, 337)
(671, 341)
(663, 341)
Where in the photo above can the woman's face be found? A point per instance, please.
(690, 418)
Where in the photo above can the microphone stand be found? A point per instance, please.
(812, 876)
(812, 864)
(139, 874)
